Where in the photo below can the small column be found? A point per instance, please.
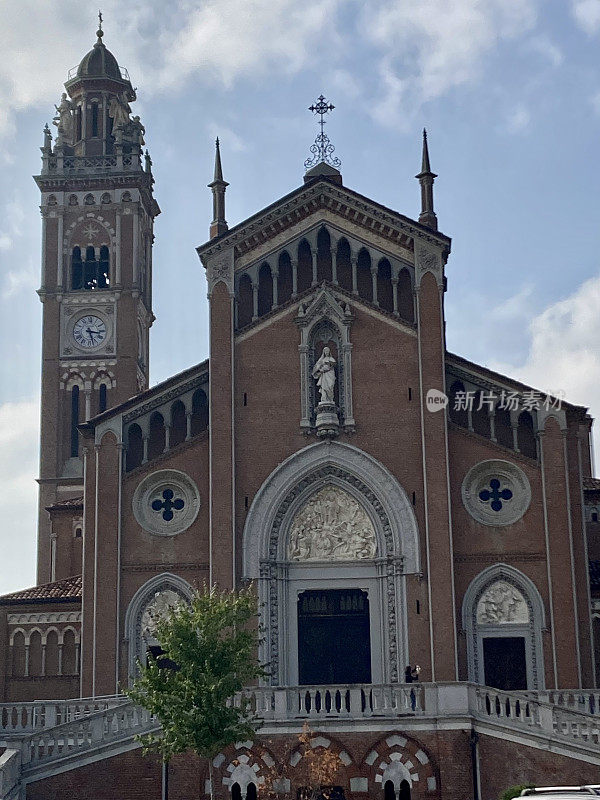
(43, 659)
(374, 281)
(145, 456)
(27, 660)
(514, 422)
(59, 252)
(60, 658)
(470, 416)
(254, 300)
(275, 277)
(314, 266)
(167, 438)
(118, 249)
(395, 294)
(88, 400)
(188, 420)
(354, 261)
(492, 418)
(77, 658)
(334, 264)
(294, 278)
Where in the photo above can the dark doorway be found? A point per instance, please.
(334, 643)
(505, 662)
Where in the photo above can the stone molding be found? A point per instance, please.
(152, 489)
(44, 618)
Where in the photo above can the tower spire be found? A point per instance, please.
(426, 178)
(218, 186)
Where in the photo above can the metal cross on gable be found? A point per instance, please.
(321, 107)
(322, 149)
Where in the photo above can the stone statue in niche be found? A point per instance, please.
(502, 604)
(158, 608)
(119, 110)
(324, 373)
(331, 526)
(327, 421)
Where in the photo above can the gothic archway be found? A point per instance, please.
(328, 488)
(157, 593)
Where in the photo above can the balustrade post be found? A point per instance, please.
(356, 703)
(280, 703)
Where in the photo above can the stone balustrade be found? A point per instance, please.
(19, 719)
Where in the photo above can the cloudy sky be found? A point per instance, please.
(509, 91)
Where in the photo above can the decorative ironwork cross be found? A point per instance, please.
(322, 149)
(321, 107)
(167, 504)
(495, 494)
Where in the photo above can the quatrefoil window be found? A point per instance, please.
(495, 494)
(167, 504)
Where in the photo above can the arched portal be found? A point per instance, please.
(330, 537)
(503, 616)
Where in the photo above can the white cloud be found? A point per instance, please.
(595, 102)
(545, 47)
(432, 46)
(228, 138)
(17, 281)
(19, 436)
(587, 15)
(518, 120)
(565, 352)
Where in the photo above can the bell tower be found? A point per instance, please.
(98, 212)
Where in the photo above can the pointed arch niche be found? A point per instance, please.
(503, 617)
(324, 322)
(157, 593)
(336, 493)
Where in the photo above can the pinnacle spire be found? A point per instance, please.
(218, 186)
(426, 178)
(99, 32)
(218, 168)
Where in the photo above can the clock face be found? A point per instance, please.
(89, 331)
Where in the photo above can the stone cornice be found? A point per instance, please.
(323, 194)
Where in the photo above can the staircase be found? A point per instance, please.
(46, 738)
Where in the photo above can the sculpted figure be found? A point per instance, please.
(64, 119)
(324, 372)
(119, 110)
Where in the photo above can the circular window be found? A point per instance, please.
(496, 492)
(166, 502)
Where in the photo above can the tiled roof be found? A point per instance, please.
(594, 574)
(591, 483)
(67, 589)
(72, 502)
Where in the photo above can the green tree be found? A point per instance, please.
(514, 791)
(209, 653)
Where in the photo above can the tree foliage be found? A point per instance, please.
(514, 791)
(314, 775)
(211, 646)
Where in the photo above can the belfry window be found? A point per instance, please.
(102, 398)
(90, 273)
(94, 119)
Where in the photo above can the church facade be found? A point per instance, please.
(394, 504)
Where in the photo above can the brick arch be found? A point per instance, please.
(244, 763)
(396, 757)
(348, 768)
(68, 241)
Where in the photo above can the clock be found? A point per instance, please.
(89, 331)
